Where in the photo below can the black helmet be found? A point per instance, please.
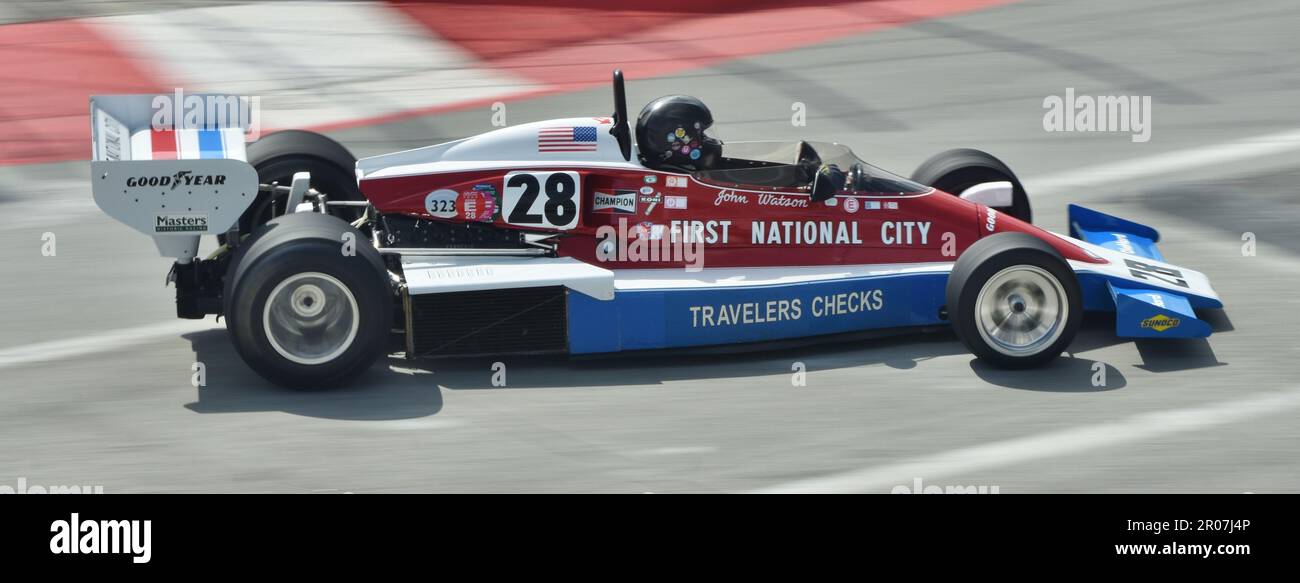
(670, 131)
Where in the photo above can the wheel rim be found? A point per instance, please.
(1021, 310)
(311, 318)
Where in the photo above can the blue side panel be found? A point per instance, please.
(1114, 233)
(1096, 292)
(593, 324)
(670, 318)
(1145, 313)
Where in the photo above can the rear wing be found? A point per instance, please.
(174, 175)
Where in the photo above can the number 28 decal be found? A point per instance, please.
(542, 199)
(1147, 271)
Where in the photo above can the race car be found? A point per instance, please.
(604, 234)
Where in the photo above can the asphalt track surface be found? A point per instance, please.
(95, 373)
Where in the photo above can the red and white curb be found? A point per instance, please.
(318, 64)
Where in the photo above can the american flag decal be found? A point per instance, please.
(567, 139)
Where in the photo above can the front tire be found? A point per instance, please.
(1014, 301)
(301, 312)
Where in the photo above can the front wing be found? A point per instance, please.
(1151, 297)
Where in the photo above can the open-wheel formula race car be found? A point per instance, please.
(602, 234)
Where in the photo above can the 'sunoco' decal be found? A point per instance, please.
(1160, 323)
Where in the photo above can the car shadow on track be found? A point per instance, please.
(399, 389)
(1071, 374)
(1067, 374)
(381, 393)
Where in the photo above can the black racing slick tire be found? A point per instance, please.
(954, 171)
(279, 155)
(1014, 301)
(308, 301)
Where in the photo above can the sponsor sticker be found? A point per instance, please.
(111, 137)
(871, 205)
(1123, 244)
(619, 201)
(179, 179)
(647, 190)
(850, 205)
(832, 201)
(651, 201)
(675, 202)
(675, 181)
(651, 179)
(891, 205)
(479, 204)
(1161, 322)
(441, 203)
(183, 223)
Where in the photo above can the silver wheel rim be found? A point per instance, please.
(1021, 310)
(311, 318)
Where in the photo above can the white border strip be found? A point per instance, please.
(106, 342)
(963, 461)
(1171, 162)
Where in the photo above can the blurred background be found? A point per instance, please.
(96, 374)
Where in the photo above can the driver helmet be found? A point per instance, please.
(670, 132)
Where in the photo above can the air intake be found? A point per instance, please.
(503, 321)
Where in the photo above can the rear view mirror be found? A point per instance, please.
(620, 129)
(994, 194)
(828, 180)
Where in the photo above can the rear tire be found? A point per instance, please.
(301, 313)
(1014, 301)
(956, 170)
